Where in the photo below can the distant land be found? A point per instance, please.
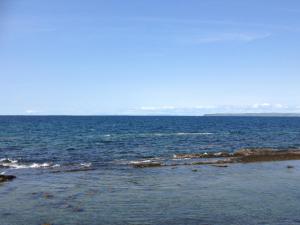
(256, 114)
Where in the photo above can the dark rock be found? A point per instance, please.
(147, 164)
(203, 162)
(4, 178)
(250, 152)
(289, 166)
(194, 170)
(265, 155)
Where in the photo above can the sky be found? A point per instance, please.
(149, 57)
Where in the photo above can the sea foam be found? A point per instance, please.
(15, 164)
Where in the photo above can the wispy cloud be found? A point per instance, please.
(220, 22)
(269, 106)
(228, 37)
(204, 109)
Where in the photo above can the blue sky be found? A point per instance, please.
(149, 56)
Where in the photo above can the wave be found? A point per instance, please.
(158, 134)
(86, 164)
(177, 134)
(15, 164)
(73, 168)
(201, 155)
(140, 161)
(145, 163)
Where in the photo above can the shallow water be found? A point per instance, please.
(111, 191)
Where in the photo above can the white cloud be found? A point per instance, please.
(206, 109)
(269, 106)
(281, 106)
(262, 105)
(31, 111)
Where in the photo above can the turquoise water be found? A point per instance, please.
(77, 170)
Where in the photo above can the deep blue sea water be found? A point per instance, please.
(77, 170)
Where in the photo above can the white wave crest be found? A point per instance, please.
(14, 164)
(86, 164)
(182, 134)
(140, 161)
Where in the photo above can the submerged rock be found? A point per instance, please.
(147, 164)
(47, 195)
(257, 151)
(220, 165)
(4, 178)
(265, 155)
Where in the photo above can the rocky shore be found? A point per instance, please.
(223, 158)
(218, 159)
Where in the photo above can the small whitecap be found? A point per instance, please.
(86, 164)
(13, 164)
(140, 161)
(159, 134)
(38, 165)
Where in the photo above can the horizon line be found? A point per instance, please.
(162, 115)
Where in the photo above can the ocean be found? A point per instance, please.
(80, 170)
